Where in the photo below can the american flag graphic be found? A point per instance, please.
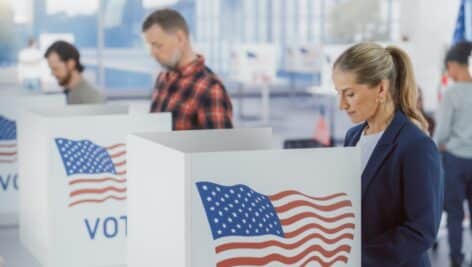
(97, 174)
(8, 149)
(288, 228)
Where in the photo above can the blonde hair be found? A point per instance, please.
(371, 63)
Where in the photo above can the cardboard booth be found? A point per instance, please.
(74, 182)
(12, 102)
(224, 198)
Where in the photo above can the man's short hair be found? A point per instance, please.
(459, 53)
(168, 19)
(65, 51)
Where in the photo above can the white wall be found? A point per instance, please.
(8, 77)
(429, 25)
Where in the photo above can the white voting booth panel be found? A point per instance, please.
(139, 107)
(303, 58)
(223, 198)
(253, 63)
(12, 102)
(74, 191)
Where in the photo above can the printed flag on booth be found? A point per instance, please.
(8, 146)
(96, 174)
(288, 228)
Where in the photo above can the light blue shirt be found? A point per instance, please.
(367, 145)
(454, 120)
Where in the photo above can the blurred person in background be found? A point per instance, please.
(64, 61)
(29, 66)
(454, 138)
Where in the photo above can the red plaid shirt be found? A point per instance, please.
(195, 96)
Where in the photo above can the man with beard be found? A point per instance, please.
(187, 87)
(64, 62)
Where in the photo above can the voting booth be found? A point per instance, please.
(12, 102)
(303, 58)
(254, 65)
(224, 198)
(74, 187)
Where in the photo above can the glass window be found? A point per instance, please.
(303, 16)
(347, 21)
(215, 25)
(290, 16)
(262, 21)
(276, 20)
(8, 44)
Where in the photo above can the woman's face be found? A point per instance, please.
(361, 102)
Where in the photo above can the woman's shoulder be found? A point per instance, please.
(417, 149)
(352, 132)
(413, 139)
(355, 129)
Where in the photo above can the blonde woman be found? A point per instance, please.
(401, 179)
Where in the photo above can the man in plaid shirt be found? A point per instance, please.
(187, 88)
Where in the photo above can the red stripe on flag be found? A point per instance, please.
(303, 203)
(253, 261)
(319, 227)
(283, 194)
(8, 153)
(118, 154)
(273, 243)
(96, 200)
(115, 146)
(97, 191)
(324, 263)
(121, 163)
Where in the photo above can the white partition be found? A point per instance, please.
(139, 107)
(303, 58)
(223, 198)
(12, 102)
(74, 186)
(254, 64)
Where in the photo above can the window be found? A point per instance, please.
(215, 25)
(350, 21)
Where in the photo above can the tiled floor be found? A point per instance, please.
(290, 118)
